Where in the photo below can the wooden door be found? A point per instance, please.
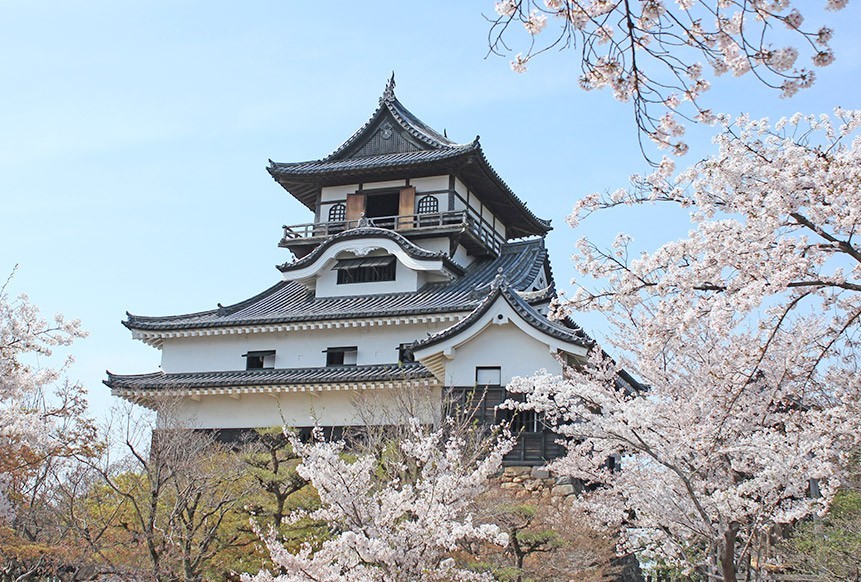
(355, 207)
(406, 207)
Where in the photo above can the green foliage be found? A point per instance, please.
(830, 548)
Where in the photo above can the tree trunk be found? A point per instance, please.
(727, 557)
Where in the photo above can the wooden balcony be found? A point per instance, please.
(476, 234)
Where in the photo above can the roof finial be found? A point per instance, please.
(499, 282)
(389, 93)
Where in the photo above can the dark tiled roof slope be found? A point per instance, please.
(395, 160)
(288, 301)
(268, 377)
(404, 118)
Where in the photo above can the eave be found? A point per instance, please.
(156, 337)
(148, 389)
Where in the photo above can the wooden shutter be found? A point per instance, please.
(355, 206)
(406, 207)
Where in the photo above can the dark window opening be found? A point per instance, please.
(520, 421)
(369, 270)
(428, 205)
(405, 354)
(259, 359)
(341, 356)
(383, 205)
(338, 212)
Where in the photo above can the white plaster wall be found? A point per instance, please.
(294, 349)
(506, 346)
(299, 409)
(332, 193)
(387, 184)
(476, 205)
(430, 183)
(435, 245)
(460, 188)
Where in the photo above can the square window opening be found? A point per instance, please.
(342, 356)
(257, 360)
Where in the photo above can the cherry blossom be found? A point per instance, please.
(744, 335)
(646, 51)
(29, 420)
(400, 527)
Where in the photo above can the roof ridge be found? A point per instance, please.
(408, 121)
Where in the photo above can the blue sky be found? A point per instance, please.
(134, 138)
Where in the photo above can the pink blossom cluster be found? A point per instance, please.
(728, 36)
(24, 334)
(397, 528)
(744, 335)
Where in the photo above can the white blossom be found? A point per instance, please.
(395, 528)
(744, 334)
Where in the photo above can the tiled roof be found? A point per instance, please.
(268, 377)
(393, 160)
(408, 246)
(405, 119)
(500, 288)
(288, 301)
(419, 150)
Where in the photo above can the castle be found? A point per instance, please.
(421, 271)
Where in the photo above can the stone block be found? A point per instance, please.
(563, 490)
(540, 472)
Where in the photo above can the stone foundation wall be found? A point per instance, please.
(538, 483)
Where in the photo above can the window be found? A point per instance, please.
(490, 379)
(259, 359)
(366, 270)
(486, 376)
(520, 420)
(428, 204)
(405, 354)
(341, 356)
(338, 212)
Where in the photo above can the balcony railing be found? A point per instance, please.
(477, 225)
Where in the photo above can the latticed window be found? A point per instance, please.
(338, 212)
(428, 205)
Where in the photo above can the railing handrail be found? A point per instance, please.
(477, 224)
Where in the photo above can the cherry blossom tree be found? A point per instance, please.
(395, 518)
(27, 413)
(26, 337)
(656, 53)
(43, 429)
(745, 335)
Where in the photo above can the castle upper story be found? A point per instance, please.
(398, 173)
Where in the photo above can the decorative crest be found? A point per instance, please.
(389, 93)
(499, 282)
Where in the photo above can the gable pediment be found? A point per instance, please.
(385, 137)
